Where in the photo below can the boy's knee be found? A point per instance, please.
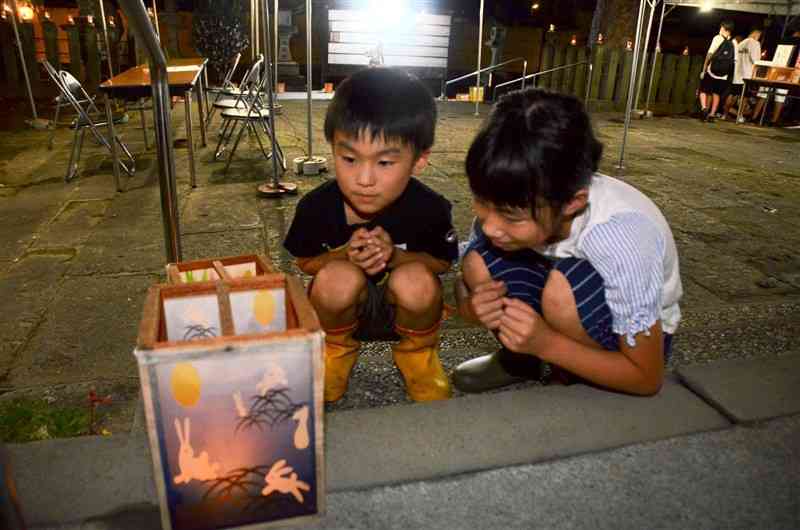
(337, 286)
(474, 269)
(414, 287)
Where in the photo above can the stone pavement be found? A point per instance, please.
(76, 259)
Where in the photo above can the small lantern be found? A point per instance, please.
(26, 13)
(534, 6)
(90, 20)
(629, 45)
(5, 11)
(111, 21)
(686, 50)
(70, 20)
(600, 39)
(47, 15)
(573, 41)
(150, 12)
(552, 28)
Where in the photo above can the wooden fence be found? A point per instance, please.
(675, 79)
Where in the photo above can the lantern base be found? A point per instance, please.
(271, 191)
(310, 166)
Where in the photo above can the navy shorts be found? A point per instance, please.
(525, 272)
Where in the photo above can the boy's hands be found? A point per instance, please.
(486, 302)
(370, 250)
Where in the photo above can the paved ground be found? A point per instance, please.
(76, 258)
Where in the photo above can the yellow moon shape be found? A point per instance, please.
(264, 307)
(185, 384)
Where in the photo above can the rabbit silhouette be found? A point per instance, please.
(301, 438)
(241, 410)
(192, 467)
(283, 479)
(273, 377)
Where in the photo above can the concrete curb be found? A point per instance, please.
(62, 481)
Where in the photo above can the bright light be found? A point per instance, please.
(574, 40)
(70, 20)
(552, 28)
(47, 15)
(534, 6)
(391, 17)
(26, 13)
(706, 6)
(90, 20)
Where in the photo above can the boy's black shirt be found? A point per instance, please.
(418, 221)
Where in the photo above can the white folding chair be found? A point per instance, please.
(70, 86)
(253, 117)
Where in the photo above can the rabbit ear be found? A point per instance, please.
(178, 430)
(186, 426)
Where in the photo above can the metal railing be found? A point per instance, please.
(489, 69)
(143, 28)
(557, 68)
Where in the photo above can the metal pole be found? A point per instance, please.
(644, 52)
(656, 51)
(155, 21)
(268, 73)
(275, 40)
(588, 85)
(308, 77)
(524, 73)
(629, 105)
(105, 38)
(478, 75)
(143, 27)
(22, 58)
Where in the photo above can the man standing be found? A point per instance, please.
(717, 71)
(747, 53)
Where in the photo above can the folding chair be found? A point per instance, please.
(69, 85)
(248, 89)
(227, 86)
(60, 101)
(253, 117)
(229, 97)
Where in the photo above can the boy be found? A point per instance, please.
(567, 265)
(376, 239)
(717, 71)
(748, 51)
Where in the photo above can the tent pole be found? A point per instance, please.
(478, 75)
(105, 38)
(155, 21)
(644, 53)
(275, 39)
(656, 51)
(629, 104)
(22, 58)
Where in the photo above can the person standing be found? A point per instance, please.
(717, 71)
(748, 51)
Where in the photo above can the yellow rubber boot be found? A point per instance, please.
(417, 357)
(341, 353)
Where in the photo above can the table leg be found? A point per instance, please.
(741, 101)
(112, 140)
(201, 113)
(205, 87)
(187, 100)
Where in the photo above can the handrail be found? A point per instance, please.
(484, 70)
(535, 74)
(143, 28)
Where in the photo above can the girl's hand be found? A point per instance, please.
(521, 328)
(486, 302)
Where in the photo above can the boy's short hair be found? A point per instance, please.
(535, 146)
(727, 25)
(386, 103)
